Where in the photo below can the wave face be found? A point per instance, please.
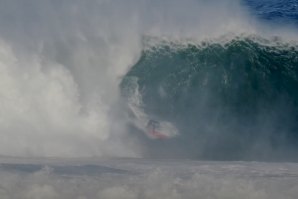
(232, 100)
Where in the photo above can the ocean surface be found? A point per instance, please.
(80, 82)
(145, 178)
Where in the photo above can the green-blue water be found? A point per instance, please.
(229, 101)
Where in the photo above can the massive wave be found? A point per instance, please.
(220, 82)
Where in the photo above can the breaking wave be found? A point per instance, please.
(206, 74)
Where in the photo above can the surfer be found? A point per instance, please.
(152, 127)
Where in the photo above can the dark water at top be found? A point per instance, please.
(275, 10)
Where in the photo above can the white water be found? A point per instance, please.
(148, 179)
